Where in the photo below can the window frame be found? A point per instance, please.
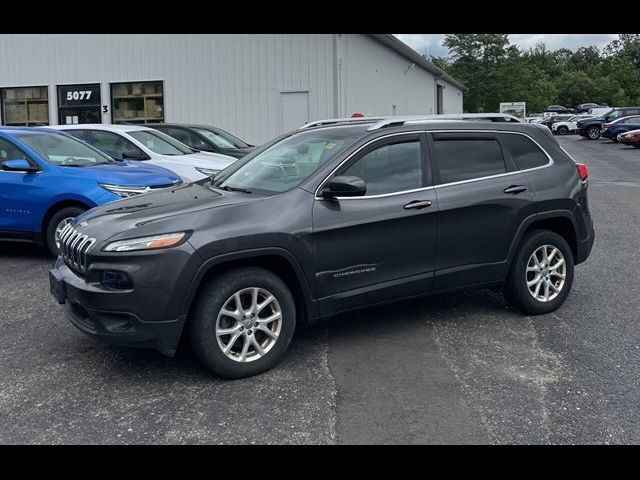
(374, 144)
(143, 96)
(509, 163)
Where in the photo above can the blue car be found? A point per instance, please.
(47, 178)
(621, 125)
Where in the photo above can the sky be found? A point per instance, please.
(431, 43)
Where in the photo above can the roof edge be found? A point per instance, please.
(406, 51)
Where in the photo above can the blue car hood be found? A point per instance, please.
(125, 173)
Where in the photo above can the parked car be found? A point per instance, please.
(556, 118)
(206, 138)
(630, 138)
(559, 109)
(564, 127)
(140, 143)
(585, 107)
(591, 127)
(47, 178)
(600, 112)
(532, 116)
(621, 125)
(324, 220)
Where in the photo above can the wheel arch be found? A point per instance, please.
(561, 222)
(277, 260)
(55, 208)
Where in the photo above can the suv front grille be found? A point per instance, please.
(74, 247)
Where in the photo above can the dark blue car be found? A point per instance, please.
(621, 125)
(47, 178)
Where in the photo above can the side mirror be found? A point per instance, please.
(18, 165)
(344, 186)
(134, 155)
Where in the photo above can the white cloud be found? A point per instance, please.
(432, 43)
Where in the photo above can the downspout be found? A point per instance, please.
(335, 76)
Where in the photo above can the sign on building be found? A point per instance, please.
(517, 109)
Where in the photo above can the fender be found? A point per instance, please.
(309, 304)
(530, 220)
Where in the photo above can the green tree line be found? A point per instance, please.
(496, 71)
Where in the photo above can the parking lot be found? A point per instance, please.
(457, 368)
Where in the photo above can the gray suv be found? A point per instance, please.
(335, 216)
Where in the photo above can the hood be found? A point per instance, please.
(176, 206)
(125, 173)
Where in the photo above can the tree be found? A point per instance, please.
(495, 71)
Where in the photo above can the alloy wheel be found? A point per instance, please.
(248, 324)
(546, 273)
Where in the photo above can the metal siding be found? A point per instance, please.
(230, 80)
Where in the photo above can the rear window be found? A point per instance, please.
(525, 152)
(465, 159)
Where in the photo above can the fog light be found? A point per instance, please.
(115, 280)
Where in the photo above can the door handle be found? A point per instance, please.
(515, 189)
(417, 204)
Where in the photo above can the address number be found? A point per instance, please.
(79, 95)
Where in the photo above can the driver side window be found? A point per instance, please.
(390, 168)
(8, 151)
(111, 143)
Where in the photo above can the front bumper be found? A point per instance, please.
(121, 317)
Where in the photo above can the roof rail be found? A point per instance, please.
(412, 119)
(331, 121)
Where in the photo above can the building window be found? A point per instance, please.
(137, 102)
(79, 104)
(25, 106)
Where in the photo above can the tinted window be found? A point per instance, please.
(159, 142)
(464, 159)
(390, 168)
(526, 153)
(110, 143)
(8, 151)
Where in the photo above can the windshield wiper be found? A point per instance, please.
(229, 188)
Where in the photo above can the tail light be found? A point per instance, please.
(583, 173)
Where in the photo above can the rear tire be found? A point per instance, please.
(248, 349)
(593, 133)
(562, 130)
(57, 222)
(521, 289)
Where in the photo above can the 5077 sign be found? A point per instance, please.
(79, 95)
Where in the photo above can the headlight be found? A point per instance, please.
(124, 191)
(146, 243)
(209, 172)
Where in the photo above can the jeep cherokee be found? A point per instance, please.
(335, 216)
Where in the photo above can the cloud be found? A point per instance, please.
(431, 44)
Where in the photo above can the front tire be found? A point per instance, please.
(242, 322)
(562, 130)
(593, 133)
(57, 222)
(541, 274)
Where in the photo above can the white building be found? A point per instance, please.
(255, 86)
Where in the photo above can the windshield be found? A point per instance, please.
(63, 151)
(287, 163)
(160, 143)
(222, 139)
